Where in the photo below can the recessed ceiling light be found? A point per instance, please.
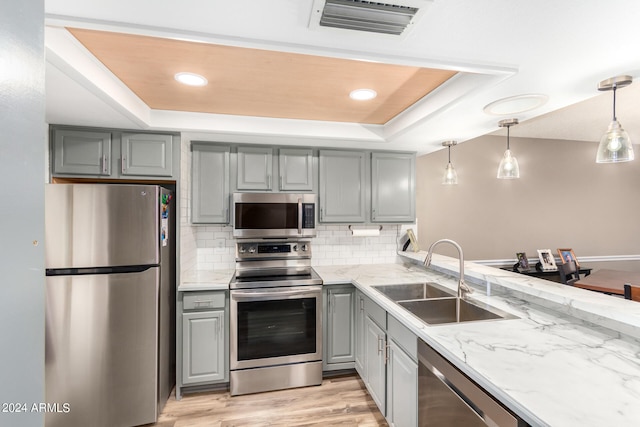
(191, 79)
(363, 94)
(516, 104)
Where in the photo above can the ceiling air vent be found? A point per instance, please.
(361, 15)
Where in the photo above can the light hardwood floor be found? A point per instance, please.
(339, 401)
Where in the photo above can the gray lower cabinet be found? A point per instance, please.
(360, 328)
(393, 187)
(386, 358)
(402, 375)
(204, 338)
(203, 347)
(113, 154)
(374, 344)
(146, 154)
(210, 197)
(339, 327)
(342, 186)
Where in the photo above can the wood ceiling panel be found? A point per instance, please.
(254, 82)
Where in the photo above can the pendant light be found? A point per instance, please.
(450, 176)
(508, 168)
(615, 145)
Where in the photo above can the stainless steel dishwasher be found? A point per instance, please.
(447, 398)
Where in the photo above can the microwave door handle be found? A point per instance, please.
(300, 216)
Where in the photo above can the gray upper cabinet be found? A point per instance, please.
(115, 154)
(342, 186)
(393, 187)
(146, 154)
(209, 183)
(255, 168)
(296, 169)
(81, 152)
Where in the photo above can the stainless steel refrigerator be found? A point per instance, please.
(110, 303)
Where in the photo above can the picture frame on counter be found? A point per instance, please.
(567, 255)
(412, 239)
(547, 261)
(523, 261)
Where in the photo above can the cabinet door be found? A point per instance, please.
(296, 169)
(255, 168)
(402, 388)
(209, 184)
(203, 346)
(340, 324)
(342, 186)
(360, 331)
(146, 154)
(393, 188)
(81, 152)
(374, 343)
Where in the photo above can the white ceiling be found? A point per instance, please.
(503, 47)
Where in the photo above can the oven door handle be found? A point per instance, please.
(299, 215)
(276, 294)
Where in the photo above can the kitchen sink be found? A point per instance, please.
(443, 310)
(414, 291)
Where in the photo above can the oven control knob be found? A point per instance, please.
(242, 249)
(252, 249)
(295, 248)
(304, 248)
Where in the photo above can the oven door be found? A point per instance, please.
(275, 326)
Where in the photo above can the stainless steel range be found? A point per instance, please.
(276, 317)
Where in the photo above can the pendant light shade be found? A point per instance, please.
(450, 176)
(615, 144)
(508, 168)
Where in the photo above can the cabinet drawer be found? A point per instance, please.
(375, 312)
(203, 300)
(403, 337)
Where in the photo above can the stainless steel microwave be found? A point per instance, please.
(274, 215)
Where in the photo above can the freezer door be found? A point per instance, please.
(101, 225)
(101, 349)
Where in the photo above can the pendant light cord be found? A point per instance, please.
(508, 128)
(449, 154)
(614, 102)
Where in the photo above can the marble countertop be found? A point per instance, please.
(205, 280)
(555, 365)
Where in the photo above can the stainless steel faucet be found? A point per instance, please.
(463, 289)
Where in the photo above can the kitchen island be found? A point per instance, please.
(570, 358)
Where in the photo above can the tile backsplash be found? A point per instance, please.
(214, 246)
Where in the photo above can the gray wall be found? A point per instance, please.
(563, 199)
(22, 150)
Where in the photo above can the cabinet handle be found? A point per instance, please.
(380, 345)
(361, 304)
(373, 214)
(104, 164)
(269, 182)
(207, 302)
(123, 161)
(226, 214)
(281, 181)
(386, 354)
